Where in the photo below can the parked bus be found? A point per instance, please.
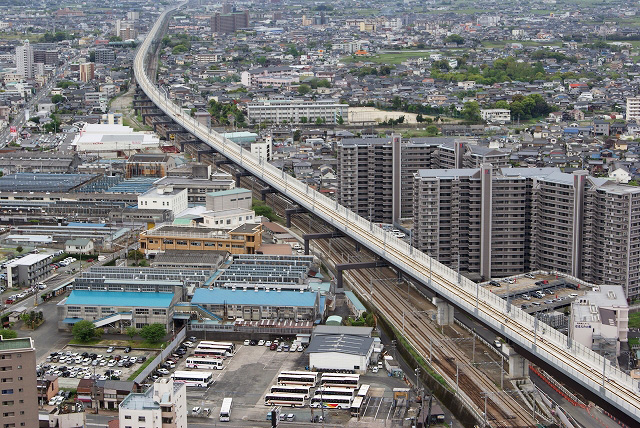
(345, 381)
(200, 379)
(204, 363)
(356, 406)
(210, 353)
(363, 391)
(225, 410)
(281, 399)
(230, 345)
(227, 349)
(332, 401)
(290, 389)
(303, 379)
(335, 391)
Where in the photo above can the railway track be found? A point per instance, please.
(502, 410)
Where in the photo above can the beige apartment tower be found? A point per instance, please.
(18, 383)
(521, 219)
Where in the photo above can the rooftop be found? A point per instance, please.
(39, 182)
(340, 343)
(13, 344)
(29, 259)
(120, 298)
(251, 297)
(235, 191)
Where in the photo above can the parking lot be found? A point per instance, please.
(248, 375)
(73, 363)
(536, 293)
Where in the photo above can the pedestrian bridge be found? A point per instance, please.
(592, 372)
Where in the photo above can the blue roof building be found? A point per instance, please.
(117, 309)
(251, 304)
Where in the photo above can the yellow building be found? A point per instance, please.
(241, 240)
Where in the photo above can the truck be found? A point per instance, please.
(225, 410)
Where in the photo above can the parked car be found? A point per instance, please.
(110, 349)
(127, 349)
(163, 371)
(246, 342)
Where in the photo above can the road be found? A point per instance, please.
(19, 120)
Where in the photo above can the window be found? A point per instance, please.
(127, 416)
(6, 391)
(7, 379)
(140, 418)
(142, 311)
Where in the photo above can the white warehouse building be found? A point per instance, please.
(343, 351)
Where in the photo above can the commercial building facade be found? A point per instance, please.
(244, 239)
(296, 111)
(527, 219)
(163, 405)
(18, 383)
(600, 319)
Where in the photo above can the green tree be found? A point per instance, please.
(304, 119)
(83, 331)
(432, 131)
(471, 111)
(131, 331)
(153, 333)
(304, 89)
(297, 134)
(19, 249)
(340, 120)
(56, 99)
(8, 334)
(454, 38)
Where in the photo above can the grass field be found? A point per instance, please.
(634, 320)
(501, 43)
(387, 58)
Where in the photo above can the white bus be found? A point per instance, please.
(228, 351)
(204, 363)
(363, 391)
(302, 379)
(335, 391)
(210, 353)
(345, 381)
(231, 346)
(281, 399)
(356, 406)
(225, 410)
(332, 401)
(291, 389)
(200, 379)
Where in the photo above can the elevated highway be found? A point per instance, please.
(596, 377)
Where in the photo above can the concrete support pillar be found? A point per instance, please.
(444, 315)
(518, 365)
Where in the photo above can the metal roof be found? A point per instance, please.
(342, 344)
(120, 298)
(251, 297)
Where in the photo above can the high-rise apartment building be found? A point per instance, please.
(45, 56)
(523, 219)
(230, 22)
(87, 71)
(371, 167)
(105, 56)
(633, 108)
(18, 383)
(24, 60)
